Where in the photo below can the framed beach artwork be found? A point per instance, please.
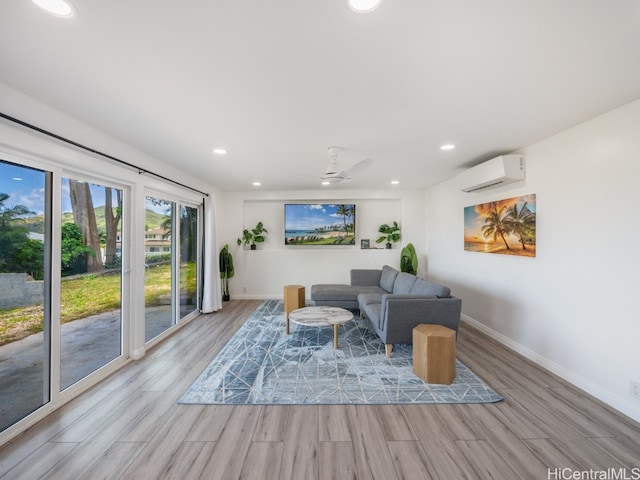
(314, 224)
(507, 227)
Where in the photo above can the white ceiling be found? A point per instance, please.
(277, 82)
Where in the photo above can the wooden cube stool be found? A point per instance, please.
(293, 299)
(434, 353)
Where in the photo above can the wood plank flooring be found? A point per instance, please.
(130, 426)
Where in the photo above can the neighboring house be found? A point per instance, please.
(36, 236)
(156, 242)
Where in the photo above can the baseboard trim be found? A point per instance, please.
(622, 405)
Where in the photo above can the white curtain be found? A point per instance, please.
(212, 291)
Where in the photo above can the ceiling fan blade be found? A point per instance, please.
(362, 164)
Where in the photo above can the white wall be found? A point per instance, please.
(24, 108)
(262, 273)
(574, 308)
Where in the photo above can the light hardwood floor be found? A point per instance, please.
(131, 427)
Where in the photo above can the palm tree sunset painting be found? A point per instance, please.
(506, 226)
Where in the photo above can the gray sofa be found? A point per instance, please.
(393, 302)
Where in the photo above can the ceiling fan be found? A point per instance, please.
(333, 173)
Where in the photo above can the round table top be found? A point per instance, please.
(320, 316)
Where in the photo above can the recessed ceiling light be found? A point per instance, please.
(447, 147)
(395, 182)
(326, 182)
(219, 151)
(60, 8)
(256, 184)
(364, 6)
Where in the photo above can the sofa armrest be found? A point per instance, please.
(401, 313)
(365, 277)
(398, 306)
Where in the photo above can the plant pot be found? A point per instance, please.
(226, 298)
(253, 246)
(388, 246)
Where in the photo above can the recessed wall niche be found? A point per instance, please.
(371, 213)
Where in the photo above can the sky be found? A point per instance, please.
(310, 216)
(23, 185)
(26, 187)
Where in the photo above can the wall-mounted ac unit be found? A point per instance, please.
(498, 171)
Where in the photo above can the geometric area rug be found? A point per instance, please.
(263, 365)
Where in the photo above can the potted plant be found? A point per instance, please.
(253, 236)
(409, 260)
(226, 271)
(390, 233)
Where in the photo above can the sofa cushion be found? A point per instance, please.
(404, 282)
(424, 287)
(388, 278)
(373, 313)
(363, 277)
(368, 299)
(333, 292)
(340, 293)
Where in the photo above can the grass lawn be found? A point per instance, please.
(80, 298)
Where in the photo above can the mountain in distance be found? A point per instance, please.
(35, 224)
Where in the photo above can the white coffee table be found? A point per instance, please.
(322, 317)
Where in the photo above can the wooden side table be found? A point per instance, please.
(293, 299)
(434, 353)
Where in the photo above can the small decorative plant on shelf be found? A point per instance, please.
(389, 234)
(409, 260)
(226, 271)
(253, 236)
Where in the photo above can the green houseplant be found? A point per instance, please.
(253, 236)
(226, 271)
(409, 259)
(389, 234)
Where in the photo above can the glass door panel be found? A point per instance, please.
(159, 261)
(188, 260)
(91, 283)
(25, 232)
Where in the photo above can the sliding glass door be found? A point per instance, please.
(25, 318)
(159, 253)
(189, 260)
(63, 289)
(91, 278)
(172, 263)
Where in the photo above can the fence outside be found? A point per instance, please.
(19, 290)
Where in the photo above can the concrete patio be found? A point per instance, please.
(87, 345)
